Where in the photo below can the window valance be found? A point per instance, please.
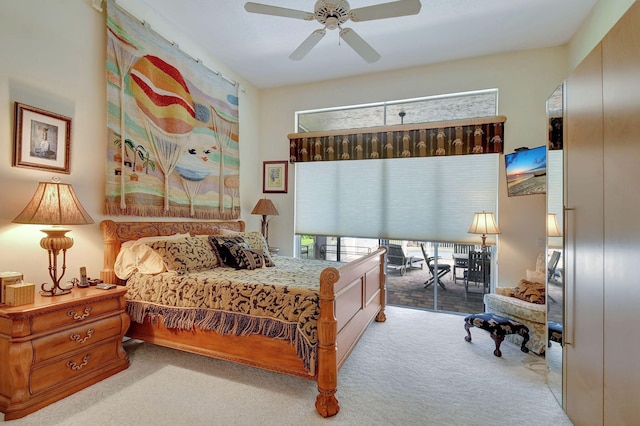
(459, 137)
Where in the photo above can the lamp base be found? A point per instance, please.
(55, 242)
(56, 291)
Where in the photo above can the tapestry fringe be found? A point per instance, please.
(112, 208)
(226, 323)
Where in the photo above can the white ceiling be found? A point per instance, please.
(257, 47)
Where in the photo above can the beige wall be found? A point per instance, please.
(524, 80)
(53, 57)
(603, 16)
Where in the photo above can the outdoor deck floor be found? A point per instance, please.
(408, 290)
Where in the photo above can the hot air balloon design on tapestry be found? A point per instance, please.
(167, 109)
(172, 127)
(125, 52)
(223, 129)
(193, 168)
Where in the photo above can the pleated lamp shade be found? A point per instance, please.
(54, 203)
(265, 207)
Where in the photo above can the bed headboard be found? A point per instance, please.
(116, 233)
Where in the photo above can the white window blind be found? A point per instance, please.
(421, 199)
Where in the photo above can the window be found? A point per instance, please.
(482, 103)
(428, 199)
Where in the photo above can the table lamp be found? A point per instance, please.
(484, 223)
(55, 204)
(265, 208)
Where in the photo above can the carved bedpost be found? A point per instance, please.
(111, 247)
(326, 402)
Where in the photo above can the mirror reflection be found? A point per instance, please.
(555, 267)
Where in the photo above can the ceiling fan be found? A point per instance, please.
(332, 14)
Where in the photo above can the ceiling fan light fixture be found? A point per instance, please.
(335, 12)
(332, 23)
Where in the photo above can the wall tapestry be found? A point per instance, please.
(172, 124)
(460, 137)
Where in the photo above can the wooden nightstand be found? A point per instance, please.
(59, 345)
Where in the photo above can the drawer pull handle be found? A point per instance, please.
(72, 364)
(76, 337)
(79, 317)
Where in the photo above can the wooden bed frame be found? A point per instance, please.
(351, 296)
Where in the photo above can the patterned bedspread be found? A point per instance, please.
(281, 302)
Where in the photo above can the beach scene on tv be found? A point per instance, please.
(526, 171)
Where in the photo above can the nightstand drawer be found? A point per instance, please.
(75, 314)
(76, 338)
(72, 366)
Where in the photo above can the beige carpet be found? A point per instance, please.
(415, 369)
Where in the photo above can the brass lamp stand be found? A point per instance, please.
(55, 203)
(54, 242)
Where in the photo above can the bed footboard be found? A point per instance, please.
(350, 298)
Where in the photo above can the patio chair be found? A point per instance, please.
(398, 259)
(478, 272)
(436, 274)
(461, 259)
(552, 265)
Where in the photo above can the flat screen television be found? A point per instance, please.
(526, 171)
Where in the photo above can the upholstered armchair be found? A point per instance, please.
(524, 303)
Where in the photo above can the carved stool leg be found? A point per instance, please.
(498, 340)
(467, 326)
(525, 339)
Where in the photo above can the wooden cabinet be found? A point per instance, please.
(584, 269)
(59, 345)
(602, 238)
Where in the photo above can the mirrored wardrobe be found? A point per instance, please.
(555, 242)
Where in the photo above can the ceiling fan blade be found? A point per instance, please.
(357, 43)
(386, 10)
(307, 45)
(266, 9)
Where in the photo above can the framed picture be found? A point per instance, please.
(526, 171)
(275, 176)
(42, 139)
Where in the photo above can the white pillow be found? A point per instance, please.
(137, 256)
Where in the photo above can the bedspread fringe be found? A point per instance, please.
(224, 322)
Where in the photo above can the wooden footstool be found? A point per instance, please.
(498, 327)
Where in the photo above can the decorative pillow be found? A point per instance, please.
(255, 239)
(535, 276)
(250, 258)
(137, 256)
(237, 253)
(222, 247)
(186, 255)
(530, 291)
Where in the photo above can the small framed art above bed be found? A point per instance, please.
(212, 288)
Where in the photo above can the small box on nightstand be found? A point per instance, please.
(20, 294)
(8, 278)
